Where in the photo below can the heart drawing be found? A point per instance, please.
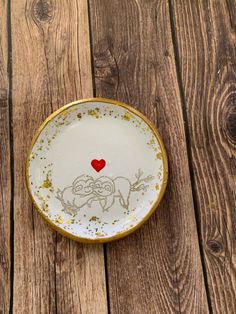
(98, 165)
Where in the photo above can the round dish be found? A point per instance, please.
(96, 170)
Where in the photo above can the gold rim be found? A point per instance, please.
(154, 206)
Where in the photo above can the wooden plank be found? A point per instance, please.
(51, 67)
(157, 269)
(205, 33)
(5, 177)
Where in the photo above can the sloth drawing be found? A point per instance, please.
(85, 190)
(107, 190)
(77, 195)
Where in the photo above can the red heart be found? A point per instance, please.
(98, 165)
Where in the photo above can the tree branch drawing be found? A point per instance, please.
(139, 184)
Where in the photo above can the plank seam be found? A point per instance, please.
(105, 248)
(94, 95)
(9, 72)
(189, 152)
(91, 49)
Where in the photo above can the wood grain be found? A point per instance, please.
(5, 178)
(51, 67)
(157, 269)
(206, 38)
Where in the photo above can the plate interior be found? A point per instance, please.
(96, 170)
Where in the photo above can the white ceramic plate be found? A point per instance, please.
(96, 170)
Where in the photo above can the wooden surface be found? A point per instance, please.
(207, 61)
(165, 250)
(175, 61)
(5, 171)
(50, 67)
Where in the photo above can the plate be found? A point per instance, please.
(96, 170)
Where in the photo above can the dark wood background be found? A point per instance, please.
(175, 61)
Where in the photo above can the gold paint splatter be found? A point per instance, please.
(65, 114)
(151, 142)
(94, 218)
(92, 112)
(127, 116)
(39, 196)
(99, 234)
(44, 204)
(70, 221)
(47, 183)
(156, 187)
(45, 207)
(32, 155)
(59, 220)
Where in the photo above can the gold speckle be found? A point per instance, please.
(92, 112)
(45, 207)
(99, 234)
(47, 183)
(59, 220)
(127, 116)
(65, 114)
(32, 155)
(70, 221)
(39, 196)
(156, 187)
(94, 218)
(151, 142)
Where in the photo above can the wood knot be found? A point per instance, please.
(166, 53)
(4, 262)
(79, 255)
(43, 10)
(214, 246)
(229, 121)
(3, 94)
(106, 69)
(157, 101)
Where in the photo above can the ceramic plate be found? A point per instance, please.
(96, 170)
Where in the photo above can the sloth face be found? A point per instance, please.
(104, 186)
(83, 185)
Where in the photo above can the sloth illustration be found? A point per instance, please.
(104, 189)
(85, 190)
(78, 194)
(107, 190)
